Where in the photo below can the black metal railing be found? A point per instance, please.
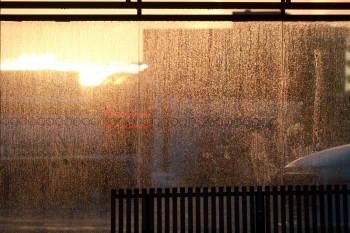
(245, 209)
(281, 6)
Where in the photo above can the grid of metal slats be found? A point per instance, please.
(245, 209)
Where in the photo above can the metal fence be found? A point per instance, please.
(244, 209)
(139, 5)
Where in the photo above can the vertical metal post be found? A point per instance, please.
(283, 4)
(228, 210)
(139, 10)
(283, 209)
(190, 210)
(221, 210)
(267, 210)
(198, 210)
(291, 209)
(345, 208)
(213, 209)
(121, 210)
(236, 209)
(136, 210)
(145, 213)
(299, 208)
(128, 210)
(322, 209)
(167, 210)
(244, 210)
(260, 216)
(337, 208)
(151, 209)
(275, 209)
(113, 210)
(283, 11)
(159, 210)
(314, 208)
(330, 208)
(175, 213)
(252, 208)
(205, 210)
(182, 210)
(306, 194)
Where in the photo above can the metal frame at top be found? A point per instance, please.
(278, 7)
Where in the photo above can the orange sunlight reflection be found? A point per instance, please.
(91, 74)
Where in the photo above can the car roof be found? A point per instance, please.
(336, 156)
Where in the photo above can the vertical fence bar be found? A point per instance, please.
(136, 210)
(291, 209)
(260, 211)
(113, 210)
(283, 209)
(145, 207)
(345, 208)
(175, 210)
(275, 213)
(267, 210)
(244, 210)
(167, 210)
(205, 209)
(213, 209)
(159, 210)
(322, 209)
(252, 209)
(330, 208)
(121, 209)
(236, 213)
(337, 208)
(221, 210)
(228, 210)
(190, 209)
(306, 209)
(198, 210)
(151, 209)
(182, 210)
(128, 210)
(298, 205)
(314, 208)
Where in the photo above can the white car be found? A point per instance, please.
(327, 167)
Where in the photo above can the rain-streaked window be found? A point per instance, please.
(91, 106)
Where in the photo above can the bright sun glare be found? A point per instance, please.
(91, 74)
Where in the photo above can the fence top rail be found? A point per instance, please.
(277, 14)
(175, 5)
(228, 191)
(208, 18)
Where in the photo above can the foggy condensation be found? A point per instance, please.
(86, 108)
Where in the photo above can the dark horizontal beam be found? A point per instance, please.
(174, 17)
(176, 5)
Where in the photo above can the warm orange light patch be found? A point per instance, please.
(91, 74)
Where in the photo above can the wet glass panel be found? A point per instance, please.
(316, 69)
(216, 95)
(87, 107)
(234, 105)
(69, 115)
